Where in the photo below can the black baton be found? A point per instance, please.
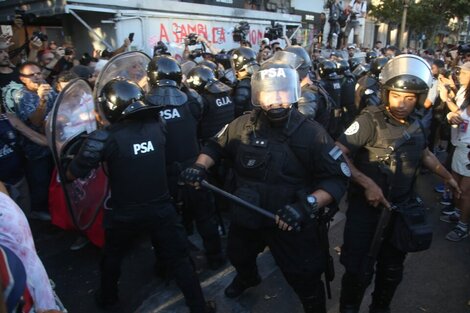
(238, 200)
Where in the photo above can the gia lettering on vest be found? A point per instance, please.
(144, 147)
(222, 101)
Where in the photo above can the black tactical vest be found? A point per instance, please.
(242, 96)
(394, 172)
(136, 163)
(313, 96)
(181, 128)
(333, 88)
(367, 93)
(348, 85)
(267, 172)
(219, 110)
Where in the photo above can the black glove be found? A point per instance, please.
(193, 174)
(293, 215)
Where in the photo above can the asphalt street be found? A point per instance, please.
(435, 281)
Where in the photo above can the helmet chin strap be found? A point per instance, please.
(278, 117)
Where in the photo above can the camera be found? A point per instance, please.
(160, 49)
(192, 39)
(274, 32)
(240, 31)
(196, 53)
(41, 36)
(68, 51)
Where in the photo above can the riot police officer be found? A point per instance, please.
(382, 175)
(368, 88)
(218, 107)
(314, 101)
(182, 113)
(370, 56)
(330, 80)
(287, 164)
(244, 64)
(133, 148)
(348, 85)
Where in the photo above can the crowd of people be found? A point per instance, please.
(288, 129)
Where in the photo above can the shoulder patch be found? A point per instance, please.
(335, 153)
(354, 128)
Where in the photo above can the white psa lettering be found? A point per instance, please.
(143, 147)
(169, 114)
(222, 101)
(272, 73)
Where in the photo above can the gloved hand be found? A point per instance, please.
(193, 175)
(291, 216)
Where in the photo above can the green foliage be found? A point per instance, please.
(423, 16)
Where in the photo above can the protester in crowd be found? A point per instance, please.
(264, 54)
(32, 102)
(378, 47)
(16, 236)
(357, 12)
(460, 116)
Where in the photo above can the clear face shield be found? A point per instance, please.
(271, 88)
(285, 57)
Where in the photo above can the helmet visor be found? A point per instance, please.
(275, 86)
(287, 58)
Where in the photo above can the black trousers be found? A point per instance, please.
(199, 206)
(360, 227)
(168, 238)
(298, 255)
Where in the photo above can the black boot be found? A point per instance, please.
(317, 302)
(238, 286)
(386, 283)
(106, 302)
(352, 292)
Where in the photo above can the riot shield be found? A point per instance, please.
(72, 117)
(130, 65)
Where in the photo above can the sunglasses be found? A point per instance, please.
(32, 75)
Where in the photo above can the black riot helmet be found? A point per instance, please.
(244, 59)
(163, 70)
(354, 62)
(342, 66)
(377, 65)
(371, 55)
(306, 64)
(209, 64)
(406, 73)
(328, 70)
(199, 77)
(120, 98)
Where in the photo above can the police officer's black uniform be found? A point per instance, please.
(279, 157)
(133, 149)
(368, 139)
(243, 61)
(372, 132)
(348, 85)
(330, 81)
(182, 113)
(218, 106)
(271, 166)
(368, 87)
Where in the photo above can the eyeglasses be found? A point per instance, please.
(32, 74)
